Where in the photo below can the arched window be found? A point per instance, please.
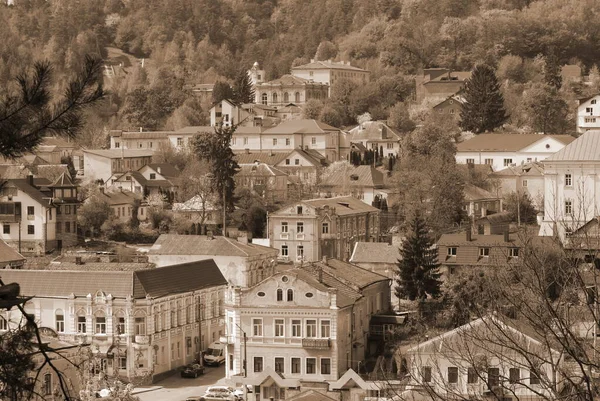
(140, 323)
(264, 98)
(279, 294)
(290, 295)
(59, 316)
(297, 97)
(81, 321)
(286, 98)
(274, 97)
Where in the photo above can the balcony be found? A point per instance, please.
(142, 340)
(9, 218)
(316, 343)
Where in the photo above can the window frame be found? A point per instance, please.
(257, 327)
(568, 180)
(279, 328)
(311, 364)
(258, 364)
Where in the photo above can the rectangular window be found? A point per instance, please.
(325, 366)
(279, 365)
(507, 162)
(30, 211)
(284, 250)
(257, 327)
(390, 145)
(325, 328)
(245, 140)
(67, 226)
(284, 227)
(6, 229)
(534, 378)
(452, 251)
(179, 141)
(325, 228)
(47, 384)
(514, 375)
(100, 327)
(122, 362)
(296, 328)
(31, 229)
(279, 325)
(311, 328)
(472, 376)
(484, 252)
(493, 377)
(297, 162)
(299, 227)
(81, 324)
(524, 183)
(311, 366)
(287, 141)
(60, 323)
(568, 207)
(274, 141)
(140, 326)
(296, 365)
(426, 374)
(513, 252)
(121, 325)
(68, 209)
(568, 180)
(153, 176)
(589, 110)
(300, 251)
(313, 140)
(489, 162)
(470, 161)
(452, 374)
(299, 209)
(287, 162)
(258, 364)
(233, 140)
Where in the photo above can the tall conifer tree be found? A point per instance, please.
(418, 274)
(243, 91)
(483, 108)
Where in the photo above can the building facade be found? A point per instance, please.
(329, 72)
(312, 229)
(102, 164)
(376, 135)
(290, 89)
(588, 114)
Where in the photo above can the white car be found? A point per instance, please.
(222, 393)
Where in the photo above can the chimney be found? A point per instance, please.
(312, 60)
(141, 129)
(30, 179)
(469, 234)
(159, 170)
(506, 236)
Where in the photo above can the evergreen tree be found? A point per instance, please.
(243, 92)
(221, 90)
(418, 275)
(552, 71)
(483, 109)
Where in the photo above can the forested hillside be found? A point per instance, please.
(193, 41)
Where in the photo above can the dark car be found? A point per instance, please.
(193, 370)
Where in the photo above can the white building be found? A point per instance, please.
(376, 135)
(328, 72)
(101, 164)
(571, 186)
(504, 150)
(522, 179)
(588, 113)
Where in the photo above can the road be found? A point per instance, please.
(176, 388)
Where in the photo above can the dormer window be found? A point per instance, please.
(593, 101)
(152, 176)
(484, 252)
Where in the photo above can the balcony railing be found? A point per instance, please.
(316, 343)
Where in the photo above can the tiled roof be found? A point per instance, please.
(37, 195)
(473, 193)
(119, 153)
(460, 75)
(528, 169)
(7, 254)
(193, 130)
(345, 295)
(259, 170)
(289, 80)
(327, 65)
(173, 244)
(460, 239)
(98, 266)
(375, 252)
(193, 204)
(166, 169)
(343, 205)
(121, 197)
(373, 131)
(584, 148)
(57, 141)
(506, 142)
(64, 180)
(349, 274)
(270, 158)
(301, 127)
(354, 176)
(497, 218)
(145, 135)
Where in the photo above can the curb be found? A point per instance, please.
(141, 390)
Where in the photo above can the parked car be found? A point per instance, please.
(192, 370)
(222, 393)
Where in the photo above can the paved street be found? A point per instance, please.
(176, 388)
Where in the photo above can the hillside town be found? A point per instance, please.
(290, 234)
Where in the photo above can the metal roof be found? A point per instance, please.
(584, 148)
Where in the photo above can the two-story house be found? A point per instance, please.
(142, 323)
(451, 106)
(571, 190)
(376, 135)
(491, 357)
(522, 179)
(151, 179)
(266, 181)
(242, 263)
(361, 182)
(301, 325)
(312, 229)
(122, 204)
(181, 139)
(102, 164)
(290, 89)
(505, 150)
(588, 113)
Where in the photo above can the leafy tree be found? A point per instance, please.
(312, 109)
(546, 110)
(520, 207)
(552, 71)
(332, 116)
(326, 51)
(400, 119)
(93, 213)
(195, 181)
(243, 91)
(222, 90)
(215, 148)
(483, 109)
(32, 112)
(418, 275)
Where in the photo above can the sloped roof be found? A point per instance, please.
(527, 169)
(155, 282)
(373, 131)
(63, 181)
(497, 218)
(119, 153)
(145, 134)
(460, 75)
(311, 395)
(193, 204)
(375, 252)
(166, 170)
(259, 170)
(584, 148)
(270, 158)
(349, 274)
(57, 141)
(473, 193)
(194, 129)
(355, 176)
(459, 239)
(506, 142)
(37, 195)
(301, 127)
(8, 255)
(343, 205)
(289, 80)
(173, 244)
(120, 197)
(327, 65)
(345, 295)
